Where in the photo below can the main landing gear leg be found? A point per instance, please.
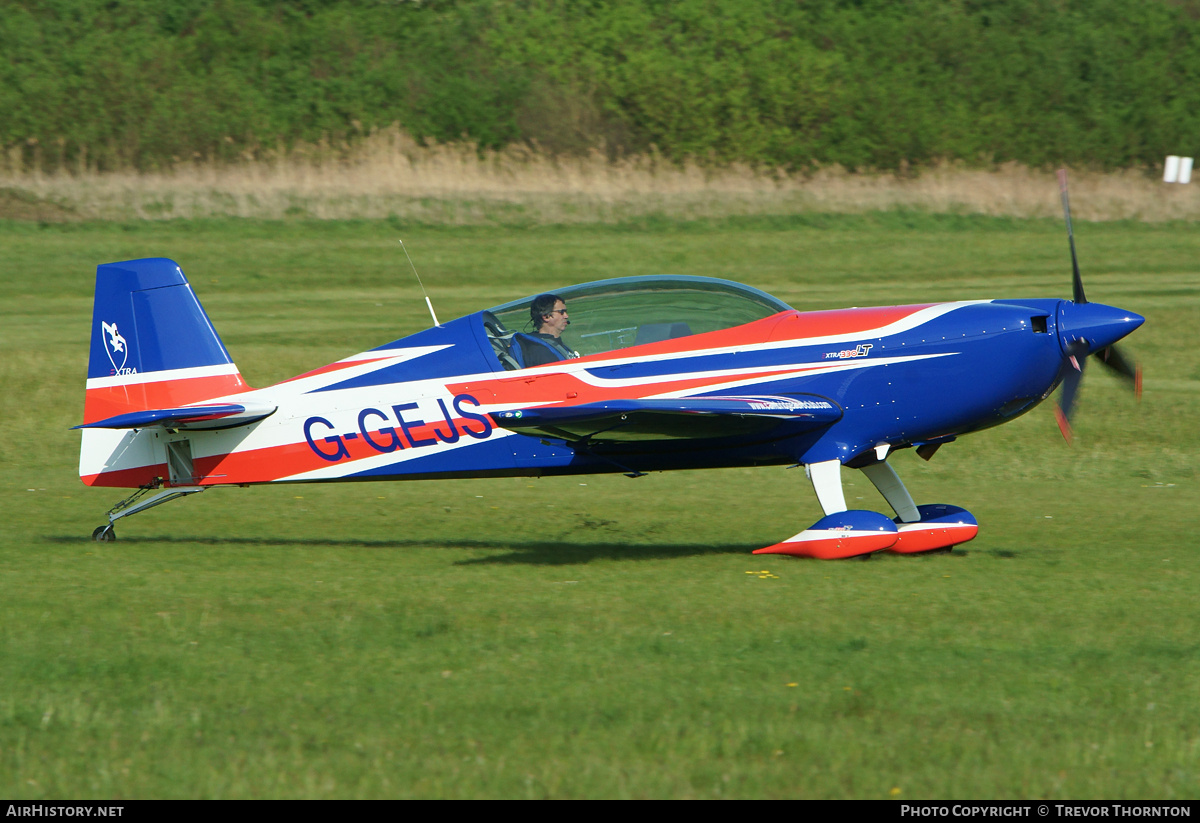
(929, 528)
(841, 533)
(892, 488)
(135, 503)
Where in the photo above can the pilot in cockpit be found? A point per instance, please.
(548, 315)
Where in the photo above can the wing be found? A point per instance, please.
(225, 416)
(687, 418)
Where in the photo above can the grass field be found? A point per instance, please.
(602, 637)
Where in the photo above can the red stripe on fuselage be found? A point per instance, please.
(788, 325)
(541, 385)
(127, 478)
(567, 389)
(109, 401)
(338, 366)
(799, 325)
(275, 462)
(257, 465)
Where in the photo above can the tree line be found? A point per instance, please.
(788, 84)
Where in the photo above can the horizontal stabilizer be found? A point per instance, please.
(676, 418)
(225, 416)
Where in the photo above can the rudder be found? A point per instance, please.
(152, 343)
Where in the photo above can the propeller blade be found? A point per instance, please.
(1066, 401)
(1077, 282)
(1064, 425)
(1112, 358)
(1100, 323)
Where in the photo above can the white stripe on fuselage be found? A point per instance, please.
(761, 373)
(793, 371)
(300, 398)
(319, 381)
(344, 468)
(218, 370)
(372, 361)
(917, 318)
(316, 382)
(300, 385)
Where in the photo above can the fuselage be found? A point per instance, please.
(423, 406)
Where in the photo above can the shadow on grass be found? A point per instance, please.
(542, 553)
(558, 554)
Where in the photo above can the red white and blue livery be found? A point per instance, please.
(675, 372)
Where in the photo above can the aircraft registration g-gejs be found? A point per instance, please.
(675, 372)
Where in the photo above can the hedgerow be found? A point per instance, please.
(863, 83)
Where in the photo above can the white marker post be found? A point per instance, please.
(1177, 169)
(1171, 169)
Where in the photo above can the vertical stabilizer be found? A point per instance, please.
(152, 345)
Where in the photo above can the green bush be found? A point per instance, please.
(872, 83)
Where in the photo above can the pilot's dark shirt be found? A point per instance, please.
(536, 355)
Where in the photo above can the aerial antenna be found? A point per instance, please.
(428, 302)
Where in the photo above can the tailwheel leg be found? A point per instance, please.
(135, 503)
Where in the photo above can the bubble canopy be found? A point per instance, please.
(629, 311)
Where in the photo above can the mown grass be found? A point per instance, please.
(601, 637)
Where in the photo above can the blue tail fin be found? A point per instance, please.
(152, 345)
(147, 319)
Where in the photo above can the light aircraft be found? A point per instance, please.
(675, 372)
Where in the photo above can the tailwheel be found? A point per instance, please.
(138, 502)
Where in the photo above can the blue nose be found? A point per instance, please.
(1096, 324)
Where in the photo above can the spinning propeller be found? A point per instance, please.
(1090, 328)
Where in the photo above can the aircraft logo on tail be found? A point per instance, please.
(116, 346)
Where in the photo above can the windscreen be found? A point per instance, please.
(616, 314)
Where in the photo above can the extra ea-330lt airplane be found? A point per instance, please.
(675, 372)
